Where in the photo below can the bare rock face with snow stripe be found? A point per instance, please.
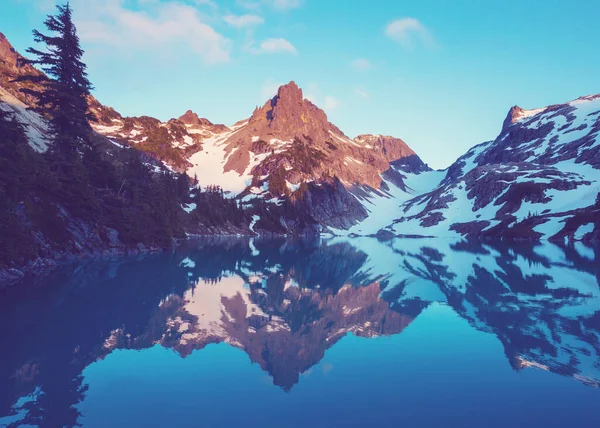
(539, 179)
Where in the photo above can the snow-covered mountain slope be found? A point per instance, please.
(287, 155)
(382, 204)
(172, 142)
(539, 179)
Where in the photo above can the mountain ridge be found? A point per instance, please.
(539, 179)
(292, 171)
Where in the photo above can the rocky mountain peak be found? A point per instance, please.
(289, 115)
(289, 93)
(513, 115)
(191, 118)
(392, 148)
(11, 61)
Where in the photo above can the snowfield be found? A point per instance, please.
(209, 165)
(383, 205)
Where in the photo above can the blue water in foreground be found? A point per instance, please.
(324, 333)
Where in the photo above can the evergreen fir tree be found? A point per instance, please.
(65, 90)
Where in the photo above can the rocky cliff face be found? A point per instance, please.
(13, 100)
(12, 65)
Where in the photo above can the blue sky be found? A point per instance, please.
(440, 74)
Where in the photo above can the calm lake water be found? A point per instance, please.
(324, 333)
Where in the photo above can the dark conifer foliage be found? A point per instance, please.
(65, 87)
(81, 183)
(15, 182)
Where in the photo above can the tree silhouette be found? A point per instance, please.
(65, 87)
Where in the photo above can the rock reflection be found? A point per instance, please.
(285, 302)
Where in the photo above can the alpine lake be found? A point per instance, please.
(328, 332)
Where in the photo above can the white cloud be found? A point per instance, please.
(272, 46)
(249, 4)
(409, 32)
(284, 4)
(160, 26)
(362, 64)
(362, 92)
(243, 21)
(281, 5)
(331, 103)
(205, 3)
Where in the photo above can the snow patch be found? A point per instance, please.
(255, 218)
(583, 230)
(188, 208)
(188, 263)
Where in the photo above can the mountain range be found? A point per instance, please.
(291, 171)
(539, 179)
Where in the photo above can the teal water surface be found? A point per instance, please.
(322, 333)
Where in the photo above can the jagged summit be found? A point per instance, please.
(516, 113)
(513, 115)
(191, 118)
(290, 92)
(289, 115)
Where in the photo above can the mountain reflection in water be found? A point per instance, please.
(285, 303)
